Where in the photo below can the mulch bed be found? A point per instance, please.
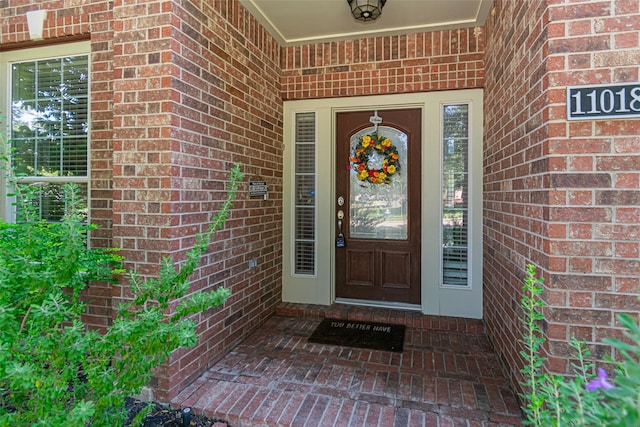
(164, 416)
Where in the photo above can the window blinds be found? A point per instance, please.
(455, 195)
(304, 197)
(49, 127)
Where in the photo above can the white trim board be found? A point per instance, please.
(436, 299)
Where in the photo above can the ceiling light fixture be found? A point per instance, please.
(366, 10)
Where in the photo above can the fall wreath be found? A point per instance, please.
(370, 145)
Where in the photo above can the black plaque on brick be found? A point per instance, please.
(258, 188)
(608, 101)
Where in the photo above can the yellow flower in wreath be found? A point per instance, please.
(366, 141)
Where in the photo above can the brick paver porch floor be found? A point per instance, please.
(447, 375)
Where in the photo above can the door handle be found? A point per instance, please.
(340, 242)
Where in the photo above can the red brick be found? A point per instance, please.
(627, 284)
(580, 316)
(581, 198)
(625, 40)
(579, 27)
(581, 299)
(582, 333)
(557, 364)
(624, 267)
(294, 404)
(583, 163)
(575, 214)
(556, 298)
(618, 232)
(584, 248)
(627, 180)
(331, 414)
(557, 264)
(627, 250)
(618, 302)
(581, 231)
(581, 180)
(580, 265)
(557, 331)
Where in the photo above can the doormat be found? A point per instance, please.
(374, 336)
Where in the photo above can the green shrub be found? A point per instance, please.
(54, 371)
(581, 399)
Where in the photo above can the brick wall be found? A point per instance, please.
(515, 171)
(197, 89)
(180, 91)
(439, 60)
(81, 22)
(562, 195)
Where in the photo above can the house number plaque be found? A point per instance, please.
(608, 101)
(258, 189)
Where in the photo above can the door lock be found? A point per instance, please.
(340, 241)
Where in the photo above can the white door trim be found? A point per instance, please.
(319, 288)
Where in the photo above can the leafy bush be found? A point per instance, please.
(581, 399)
(54, 371)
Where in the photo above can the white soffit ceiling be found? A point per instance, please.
(294, 22)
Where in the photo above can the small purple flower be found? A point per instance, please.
(600, 381)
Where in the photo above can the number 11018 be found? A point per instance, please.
(603, 101)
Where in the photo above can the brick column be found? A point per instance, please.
(196, 88)
(562, 195)
(142, 139)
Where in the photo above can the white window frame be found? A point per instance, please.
(470, 188)
(7, 58)
(295, 176)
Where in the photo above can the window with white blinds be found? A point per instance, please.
(49, 127)
(304, 196)
(455, 195)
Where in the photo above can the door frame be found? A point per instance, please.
(377, 291)
(319, 288)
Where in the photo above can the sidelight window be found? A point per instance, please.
(304, 194)
(455, 195)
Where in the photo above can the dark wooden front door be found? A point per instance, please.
(380, 260)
